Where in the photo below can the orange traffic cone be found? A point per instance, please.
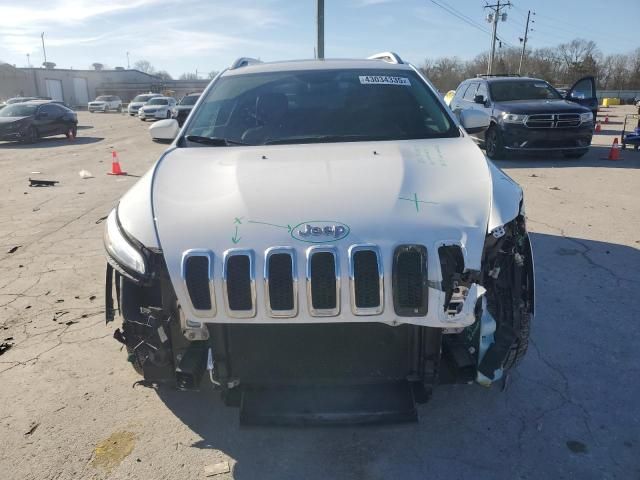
(598, 127)
(606, 119)
(614, 153)
(115, 165)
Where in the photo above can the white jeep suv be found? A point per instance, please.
(140, 101)
(104, 103)
(323, 242)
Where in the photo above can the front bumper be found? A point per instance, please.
(519, 137)
(152, 115)
(98, 108)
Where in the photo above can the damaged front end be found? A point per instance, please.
(371, 371)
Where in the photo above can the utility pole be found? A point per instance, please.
(43, 49)
(320, 29)
(128, 66)
(494, 17)
(524, 41)
(28, 61)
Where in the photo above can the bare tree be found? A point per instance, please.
(163, 74)
(144, 66)
(188, 76)
(212, 74)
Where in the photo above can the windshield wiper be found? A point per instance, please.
(215, 141)
(324, 138)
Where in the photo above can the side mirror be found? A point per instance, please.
(474, 121)
(41, 115)
(479, 99)
(164, 130)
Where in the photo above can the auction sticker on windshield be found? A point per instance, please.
(383, 80)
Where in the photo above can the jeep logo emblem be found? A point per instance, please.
(320, 231)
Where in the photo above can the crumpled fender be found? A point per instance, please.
(506, 198)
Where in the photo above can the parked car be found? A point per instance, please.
(105, 103)
(529, 115)
(139, 101)
(25, 99)
(28, 121)
(158, 108)
(184, 107)
(322, 227)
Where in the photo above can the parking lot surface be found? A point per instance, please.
(70, 408)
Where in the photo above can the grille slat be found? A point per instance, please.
(239, 284)
(280, 282)
(197, 275)
(553, 120)
(323, 282)
(365, 275)
(410, 281)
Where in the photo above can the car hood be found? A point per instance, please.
(427, 192)
(540, 106)
(97, 102)
(152, 107)
(184, 107)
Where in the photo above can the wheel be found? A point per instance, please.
(119, 108)
(168, 115)
(519, 348)
(493, 144)
(90, 111)
(141, 119)
(575, 153)
(32, 135)
(71, 132)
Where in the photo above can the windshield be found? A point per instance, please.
(522, 90)
(102, 99)
(18, 100)
(18, 110)
(158, 101)
(320, 106)
(189, 100)
(142, 98)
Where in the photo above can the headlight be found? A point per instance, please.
(120, 249)
(586, 117)
(513, 118)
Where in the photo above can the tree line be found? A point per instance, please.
(560, 66)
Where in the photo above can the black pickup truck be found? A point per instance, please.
(528, 114)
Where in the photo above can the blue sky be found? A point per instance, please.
(185, 35)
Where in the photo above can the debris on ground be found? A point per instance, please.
(42, 183)
(85, 174)
(92, 298)
(5, 346)
(13, 249)
(554, 188)
(70, 322)
(576, 447)
(32, 428)
(101, 219)
(216, 469)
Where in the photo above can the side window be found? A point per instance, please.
(471, 91)
(460, 92)
(482, 90)
(583, 89)
(49, 110)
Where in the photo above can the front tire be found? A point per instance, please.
(72, 132)
(168, 116)
(32, 135)
(493, 144)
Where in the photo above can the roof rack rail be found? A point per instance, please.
(480, 75)
(389, 57)
(243, 62)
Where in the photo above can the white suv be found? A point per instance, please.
(322, 227)
(158, 108)
(139, 101)
(104, 103)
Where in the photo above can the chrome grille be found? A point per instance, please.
(323, 282)
(553, 120)
(410, 281)
(238, 282)
(366, 280)
(197, 275)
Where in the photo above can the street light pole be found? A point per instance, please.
(320, 29)
(43, 49)
(128, 66)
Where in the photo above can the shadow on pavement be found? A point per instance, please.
(596, 157)
(583, 331)
(51, 143)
